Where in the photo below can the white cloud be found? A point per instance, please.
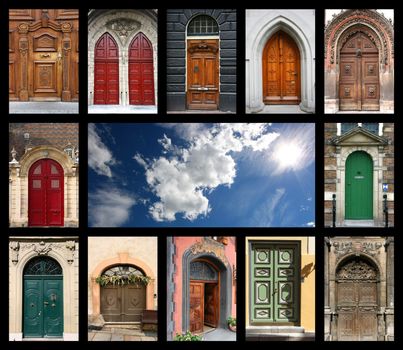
(100, 158)
(310, 224)
(182, 177)
(273, 208)
(109, 207)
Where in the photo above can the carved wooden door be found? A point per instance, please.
(106, 74)
(274, 271)
(211, 304)
(281, 70)
(359, 74)
(123, 303)
(202, 74)
(46, 194)
(196, 321)
(141, 71)
(43, 55)
(357, 301)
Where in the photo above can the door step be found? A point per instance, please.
(358, 223)
(275, 329)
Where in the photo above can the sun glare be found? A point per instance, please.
(288, 154)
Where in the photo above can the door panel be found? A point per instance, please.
(141, 71)
(275, 282)
(359, 74)
(196, 307)
(33, 308)
(211, 304)
(46, 194)
(53, 308)
(111, 303)
(281, 70)
(106, 71)
(202, 74)
(359, 186)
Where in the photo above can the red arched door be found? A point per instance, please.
(45, 194)
(106, 75)
(141, 71)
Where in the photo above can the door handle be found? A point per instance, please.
(45, 303)
(202, 88)
(39, 313)
(45, 55)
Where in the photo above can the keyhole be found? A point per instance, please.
(196, 69)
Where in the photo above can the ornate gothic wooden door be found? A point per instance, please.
(43, 54)
(211, 308)
(359, 74)
(141, 71)
(357, 301)
(196, 291)
(123, 302)
(275, 282)
(43, 298)
(46, 194)
(281, 70)
(106, 75)
(359, 186)
(202, 74)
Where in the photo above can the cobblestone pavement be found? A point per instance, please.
(108, 109)
(43, 107)
(121, 334)
(220, 334)
(283, 109)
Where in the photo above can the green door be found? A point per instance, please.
(359, 186)
(275, 282)
(43, 299)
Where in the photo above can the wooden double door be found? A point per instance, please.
(281, 70)
(140, 71)
(275, 282)
(203, 74)
(359, 74)
(46, 194)
(123, 303)
(204, 305)
(357, 302)
(43, 55)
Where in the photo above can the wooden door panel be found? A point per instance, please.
(53, 308)
(111, 303)
(196, 305)
(45, 78)
(33, 308)
(134, 302)
(281, 70)
(347, 326)
(211, 304)
(367, 322)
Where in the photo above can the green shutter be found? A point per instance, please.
(275, 282)
(359, 186)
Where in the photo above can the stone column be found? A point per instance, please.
(66, 58)
(390, 290)
(23, 48)
(326, 288)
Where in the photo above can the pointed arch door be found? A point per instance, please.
(281, 70)
(359, 74)
(46, 194)
(106, 74)
(359, 186)
(141, 71)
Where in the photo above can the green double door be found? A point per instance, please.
(275, 282)
(43, 306)
(359, 186)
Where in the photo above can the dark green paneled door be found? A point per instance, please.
(275, 282)
(43, 299)
(359, 186)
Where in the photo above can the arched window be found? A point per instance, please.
(42, 266)
(202, 25)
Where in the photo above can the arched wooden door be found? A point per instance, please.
(43, 298)
(204, 297)
(357, 301)
(359, 186)
(141, 71)
(281, 70)
(359, 74)
(124, 300)
(106, 75)
(46, 194)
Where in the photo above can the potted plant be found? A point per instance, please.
(231, 323)
(188, 336)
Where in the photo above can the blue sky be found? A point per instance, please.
(201, 175)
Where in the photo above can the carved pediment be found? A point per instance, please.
(357, 270)
(123, 27)
(359, 137)
(202, 47)
(45, 42)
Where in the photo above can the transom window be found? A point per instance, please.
(42, 266)
(123, 271)
(372, 127)
(202, 25)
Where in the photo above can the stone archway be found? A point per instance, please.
(254, 98)
(120, 259)
(379, 31)
(225, 281)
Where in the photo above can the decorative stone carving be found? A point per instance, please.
(42, 248)
(342, 248)
(14, 249)
(356, 270)
(209, 245)
(123, 27)
(71, 247)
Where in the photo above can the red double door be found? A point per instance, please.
(46, 194)
(141, 71)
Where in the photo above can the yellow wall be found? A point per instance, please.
(307, 301)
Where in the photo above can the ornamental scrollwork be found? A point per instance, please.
(356, 270)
